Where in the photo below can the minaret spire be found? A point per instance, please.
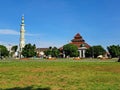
(22, 35)
(23, 19)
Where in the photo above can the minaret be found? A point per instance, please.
(22, 36)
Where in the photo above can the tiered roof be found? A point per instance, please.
(79, 41)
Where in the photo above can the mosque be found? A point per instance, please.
(81, 44)
(77, 40)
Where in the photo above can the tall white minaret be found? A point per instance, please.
(22, 36)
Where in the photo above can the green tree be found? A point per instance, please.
(71, 50)
(29, 50)
(54, 52)
(14, 48)
(114, 50)
(95, 51)
(3, 51)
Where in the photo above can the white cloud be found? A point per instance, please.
(28, 34)
(13, 32)
(7, 43)
(8, 32)
(43, 44)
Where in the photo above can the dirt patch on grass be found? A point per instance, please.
(112, 69)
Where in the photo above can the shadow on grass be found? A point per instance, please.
(27, 88)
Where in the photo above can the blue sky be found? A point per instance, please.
(55, 22)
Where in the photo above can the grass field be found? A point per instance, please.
(87, 74)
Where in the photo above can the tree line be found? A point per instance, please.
(68, 50)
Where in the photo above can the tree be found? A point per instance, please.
(29, 50)
(3, 51)
(71, 50)
(54, 52)
(14, 48)
(48, 52)
(95, 51)
(114, 50)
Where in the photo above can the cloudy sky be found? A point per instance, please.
(55, 22)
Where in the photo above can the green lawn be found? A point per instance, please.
(86, 74)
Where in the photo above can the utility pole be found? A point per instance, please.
(92, 52)
(9, 50)
(0, 54)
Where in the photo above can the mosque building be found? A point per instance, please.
(81, 44)
(77, 40)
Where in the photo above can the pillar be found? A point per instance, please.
(80, 53)
(83, 53)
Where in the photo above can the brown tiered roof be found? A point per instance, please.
(79, 41)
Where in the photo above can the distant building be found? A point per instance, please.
(78, 41)
(81, 44)
(40, 51)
